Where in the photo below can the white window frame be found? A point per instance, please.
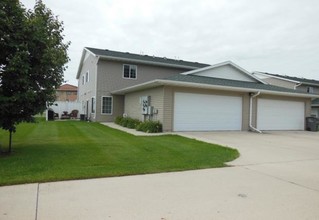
(130, 65)
(111, 105)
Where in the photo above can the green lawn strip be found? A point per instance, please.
(64, 150)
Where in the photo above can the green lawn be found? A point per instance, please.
(64, 150)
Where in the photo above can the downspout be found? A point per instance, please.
(296, 85)
(251, 112)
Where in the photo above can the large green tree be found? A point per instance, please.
(32, 61)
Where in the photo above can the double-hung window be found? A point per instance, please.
(85, 78)
(129, 71)
(310, 89)
(107, 105)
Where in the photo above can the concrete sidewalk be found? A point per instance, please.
(131, 130)
(276, 177)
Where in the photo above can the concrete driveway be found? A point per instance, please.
(276, 177)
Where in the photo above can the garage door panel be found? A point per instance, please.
(280, 115)
(200, 112)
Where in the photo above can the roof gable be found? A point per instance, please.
(85, 54)
(225, 70)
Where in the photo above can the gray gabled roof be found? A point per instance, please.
(146, 58)
(193, 81)
(230, 83)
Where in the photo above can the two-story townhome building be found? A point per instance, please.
(186, 96)
(102, 71)
(310, 86)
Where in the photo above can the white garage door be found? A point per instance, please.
(280, 115)
(199, 112)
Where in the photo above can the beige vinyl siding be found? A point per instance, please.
(246, 108)
(117, 108)
(111, 74)
(110, 78)
(254, 112)
(133, 106)
(87, 90)
(226, 72)
(304, 88)
(168, 108)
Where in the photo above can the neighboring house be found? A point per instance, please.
(66, 103)
(186, 96)
(67, 92)
(315, 108)
(310, 86)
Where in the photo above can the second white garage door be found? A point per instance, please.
(200, 112)
(280, 115)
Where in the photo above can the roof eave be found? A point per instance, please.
(276, 77)
(146, 85)
(310, 84)
(156, 83)
(85, 50)
(147, 62)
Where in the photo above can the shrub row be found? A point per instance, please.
(146, 126)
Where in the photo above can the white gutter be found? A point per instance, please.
(162, 82)
(148, 62)
(251, 112)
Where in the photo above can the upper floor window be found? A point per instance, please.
(82, 80)
(310, 89)
(87, 76)
(129, 71)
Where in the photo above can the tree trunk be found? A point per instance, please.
(10, 141)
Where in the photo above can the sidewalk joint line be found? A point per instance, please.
(275, 162)
(283, 180)
(37, 203)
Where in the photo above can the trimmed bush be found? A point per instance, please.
(146, 126)
(118, 120)
(133, 123)
(124, 122)
(127, 122)
(150, 127)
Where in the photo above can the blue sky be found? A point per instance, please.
(276, 36)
